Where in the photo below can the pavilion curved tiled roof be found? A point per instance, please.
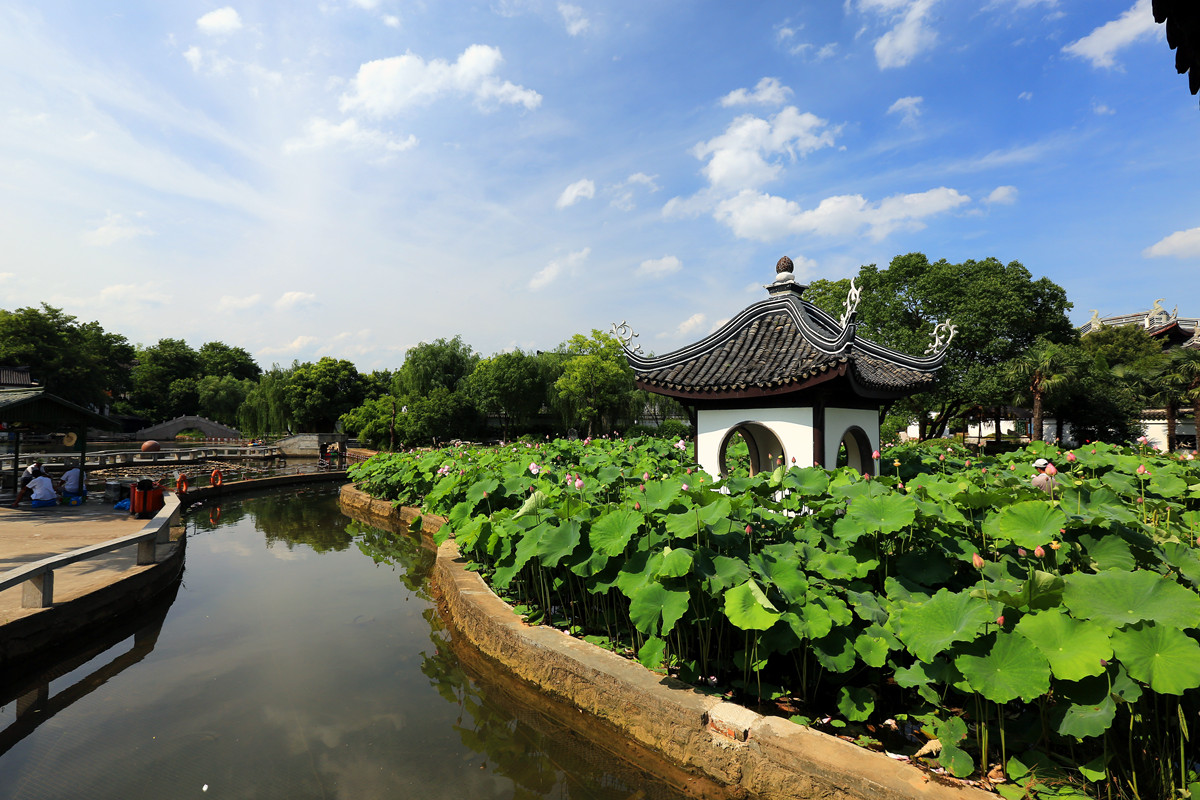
(779, 346)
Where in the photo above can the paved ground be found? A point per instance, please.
(32, 534)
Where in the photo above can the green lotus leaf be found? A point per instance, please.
(526, 549)
(1075, 648)
(557, 541)
(835, 652)
(867, 606)
(779, 564)
(1108, 552)
(1120, 483)
(487, 485)
(1115, 598)
(612, 532)
(535, 502)
(748, 608)
(651, 653)
(807, 481)
(659, 494)
(872, 649)
(855, 704)
(1013, 667)
(835, 566)
(676, 562)
(652, 601)
(884, 514)
(1168, 486)
(716, 512)
(929, 628)
(727, 572)
(954, 758)
(815, 621)
(1040, 590)
(1027, 524)
(682, 526)
(1183, 558)
(1089, 710)
(1165, 658)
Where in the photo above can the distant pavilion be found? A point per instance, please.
(793, 381)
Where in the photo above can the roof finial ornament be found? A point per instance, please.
(852, 298)
(625, 336)
(784, 270)
(1095, 322)
(942, 329)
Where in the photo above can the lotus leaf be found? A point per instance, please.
(1183, 558)
(676, 562)
(835, 652)
(1108, 552)
(1013, 667)
(1115, 599)
(727, 572)
(867, 606)
(1159, 655)
(949, 734)
(835, 566)
(778, 564)
(1027, 524)
(660, 494)
(929, 628)
(534, 503)
(1166, 485)
(652, 601)
(1091, 710)
(1076, 649)
(484, 486)
(1040, 590)
(612, 532)
(807, 481)
(651, 653)
(855, 704)
(1120, 483)
(885, 514)
(872, 648)
(746, 609)
(557, 541)
(815, 622)
(682, 526)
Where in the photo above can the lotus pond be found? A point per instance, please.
(1039, 645)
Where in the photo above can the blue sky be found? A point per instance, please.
(352, 177)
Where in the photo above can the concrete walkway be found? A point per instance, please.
(28, 535)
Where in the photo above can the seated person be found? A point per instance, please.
(43, 492)
(74, 482)
(32, 471)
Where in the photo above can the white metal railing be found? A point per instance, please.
(100, 459)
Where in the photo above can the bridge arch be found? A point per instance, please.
(172, 428)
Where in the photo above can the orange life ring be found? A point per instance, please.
(216, 478)
(181, 485)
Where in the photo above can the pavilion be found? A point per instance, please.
(794, 382)
(34, 410)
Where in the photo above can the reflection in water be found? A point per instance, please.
(302, 658)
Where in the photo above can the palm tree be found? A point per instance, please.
(1041, 372)
(1180, 382)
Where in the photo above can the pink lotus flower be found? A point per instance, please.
(984, 470)
(1021, 552)
(875, 454)
(1140, 500)
(1051, 470)
(534, 468)
(968, 462)
(1071, 456)
(1141, 470)
(1000, 620)
(680, 445)
(637, 506)
(685, 487)
(748, 529)
(1142, 440)
(1039, 552)
(941, 458)
(578, 483)
(645, 477)
(977, 560)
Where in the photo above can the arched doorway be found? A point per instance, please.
(854, 451)
(748, 448)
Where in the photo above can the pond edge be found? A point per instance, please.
(766, 757)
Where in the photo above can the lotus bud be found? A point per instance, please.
(1071, 456)
(977, 560)
(748, 528)
(968, 462)
(578, 483)
(1141, 470)
(645, 477)
(1039, 552)
(642, 486)
(793, 459)
(685, 487)
(1021, 552)
(637, 506)
(984, 470)
(1000, 620)
(941, 458)
(1140, 501)
(1012, 467)
(1051, 470)
(875, 454)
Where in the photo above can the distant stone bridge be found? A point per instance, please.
(171, 429)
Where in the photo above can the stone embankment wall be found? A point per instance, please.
(765, 757)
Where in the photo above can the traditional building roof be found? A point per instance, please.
(783, 345)
(1159, 323)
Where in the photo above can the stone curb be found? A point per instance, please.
(768, 757)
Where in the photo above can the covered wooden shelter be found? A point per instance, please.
(792, 381)
(34, 410)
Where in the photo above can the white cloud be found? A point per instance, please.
(754, 215)
(658, 267)
(909, 37)
(908, 107)
(1025, 96)
(295, 300)
(1181, 244)
(1002, 195)
(221, 22)
(738, 157)
(291, 348)
(365, 5)
(115, 228)
(1101, 45)
(582, 189)
(768, 92)
(551, 271)
(194, 56)
(693, 323)
(124, 294)
(321, 133)
(1100, 109)
(7, 276)
(230, 303)
(573, 18)
(623, 191)
(389, 86)
(828, 50)
(391, 20)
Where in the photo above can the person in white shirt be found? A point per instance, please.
(32, 471)
(43, 492)
(74, 482)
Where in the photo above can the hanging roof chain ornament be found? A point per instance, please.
(625, 336)
(852, 298)
(942, 329)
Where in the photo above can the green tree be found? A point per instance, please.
(158, 367)
(219, 398)
(1043, 373)
(509, 385)
(1127, 345)
(319, 393)
(80, 362)
(266, 408)
(222, 360)
(431, 364)
(999, 309)
(596, 384)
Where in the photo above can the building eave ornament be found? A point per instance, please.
(625, 335)
(940, 345)
(851, 307)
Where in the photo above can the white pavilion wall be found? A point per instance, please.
(840, 420)
(792, 426)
